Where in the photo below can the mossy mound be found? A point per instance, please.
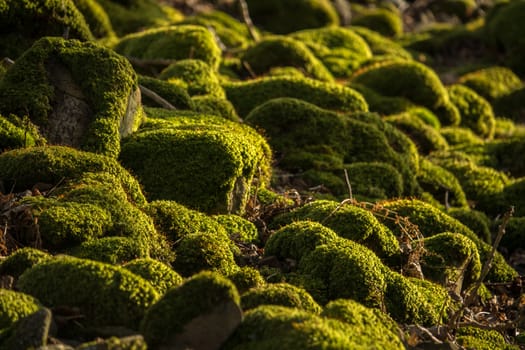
(348, 221)
(475, 220)
(482, 339)
(238, 228)
(384, 105)
(129, 16)
(105, 294)
(20, 260)
(14, 134)
(273, 16)
(340, 49)
(283, 294)
(212, 105)
(100, 85)
(374, 180)
(209, 163)
(476, 112)
(24, 21)
(245, 96)
(97, 19)
(196, 75)
(380, 45)
(160, 275)
(458, 136)
(111, 250)
(174, 42)
(175, 94)
(198, 296)
(492, 82)
(383, 21)
(270, 327)
(14, 306)
(246, 277)
(284, 52)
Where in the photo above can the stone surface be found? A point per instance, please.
(30, 332)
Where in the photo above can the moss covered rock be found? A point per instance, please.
(58, 78)
(238, 228)
(492, 82)
(213, 105)
(246, 277)
(381, 45)
(283, 294)
(105, 294)
(111, 250)
(160, 275)
(459, 136)
(14, 306)
(20, 260)
(175, 94)
(381, 20)
(475, 220)
(482, 339)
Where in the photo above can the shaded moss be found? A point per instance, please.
(383, 21)
(246, 277)
(238, 228)
(197, 296)
(106, 80)
(13, 134)
(381, 45)
(375, 180)
(384, 105)
(482, 339)
(97, 19)
(492, 83)
(513, 238)
(283, 294)
(458, 136)
(273, 16)
(20, 260)
(511, 105)
(212, 105)
(245, 96)
(475, 220)
(111, 250)
(160, 275)
(174, 42)
(173, 93)
(14, 306)
(105, 294)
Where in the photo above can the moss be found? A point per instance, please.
(283, 294)
(173, 93)
(238, 228)
(13, 134)
(348, 221)
(14, 306)
(375, 180)
(511, 106)
(475, 220)
(246, 277)
(97, 19)
(273, 16)
(438, 298)
(512, 240)
(476, 112)
(212, 105)
(504, 28)
(504, 127)
(458, 136)
(20, 260)
(111, 250)
(293, 72)
(135, 15)
(106, 80)
(115, 343)
(482, 339)
(196, 75)
(381, 45)
(160, 275)
(339, 49)
(23, 22)
(210, 164)
(426, 138)
(174, 42)
(512, 195)
(441, 184)
(383, 21)
(197, 296)
(245, 96)
(492, 82)
(105, 294)
(384, 105)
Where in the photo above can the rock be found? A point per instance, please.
(30, 332)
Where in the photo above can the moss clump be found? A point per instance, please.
(14, 306)
(174, 42)
(25, 21)
(14, 134)
(340, 49)
(130, 16)
(384, 105)
(380, 45)
(246, 278)
(283, 294)
(160, 275)
(197, 296)
(196, 75)
(457, 136)
(374, 180)
(475, 220)
(273, 16)
(20, 260)
(492, 83)
(245, 96)
(173, 93)
(441, 184)
(106, 81)
(383, 21)
(476, 112)
(111, 250)
(97, 19)
(238, 228)
(212, 105)
(105, 294)
(482, 339)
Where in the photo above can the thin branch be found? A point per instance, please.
(248, 21)
(349, 185)
(155, 97)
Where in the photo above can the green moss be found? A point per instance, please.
(383, 21)
(349, 222)
(23, 22)
(504, 27)
(340, 49)
(97, 19)
(197, 75)
(458, 136)
(511, 105)
(476, 112)
(246, 277)
(210, 164)
(14, 306)
(106, 80)
(105, 294)
(115, 343)
(20, 260)
(504, 128)
(274, 16)
(160, 275)
(134, 15)
(14, 134)
(374, 180)
(174, 42)
(381, 45)
(111, 250)
(245, 96)
(491, 83)
(173, 93)
(212, 105)
(283, 294)
(482, 339)
(426, 138)
(383, 105)
(512, 196)
(197, 296)
(238, 228)
(475, 220)
(441, 184)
